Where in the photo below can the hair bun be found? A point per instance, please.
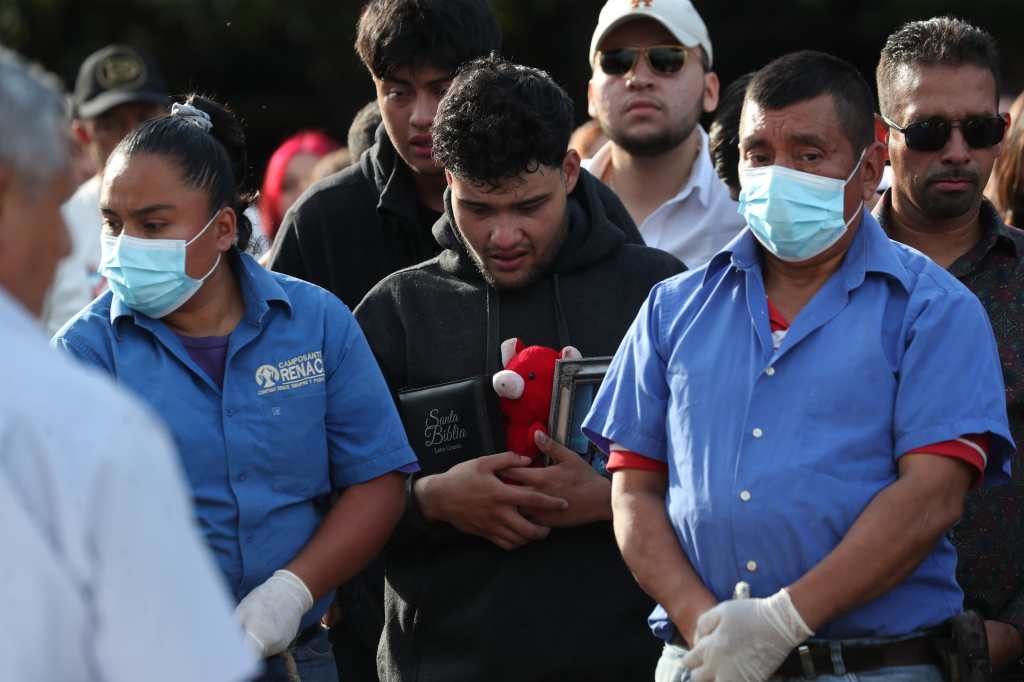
(193, 115)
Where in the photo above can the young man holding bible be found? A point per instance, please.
(490, 547)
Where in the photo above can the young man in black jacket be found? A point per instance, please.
(514, 577)
(352, 229)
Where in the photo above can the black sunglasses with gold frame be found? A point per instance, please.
(664, 59)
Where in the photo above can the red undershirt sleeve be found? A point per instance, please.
(972, 449)
(624, 459)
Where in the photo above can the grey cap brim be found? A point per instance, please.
(108, 100)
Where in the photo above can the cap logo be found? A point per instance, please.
(636, 3)
(121, 71)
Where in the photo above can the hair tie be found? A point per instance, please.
(193, 115)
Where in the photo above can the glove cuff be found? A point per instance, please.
(786, 619)
(301, 591)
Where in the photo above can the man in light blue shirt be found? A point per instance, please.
(803, 415)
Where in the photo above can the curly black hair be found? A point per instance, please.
(499, 120)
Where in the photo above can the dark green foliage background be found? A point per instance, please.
(285, 65)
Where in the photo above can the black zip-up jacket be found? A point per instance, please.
(354, 228)
(458, 608)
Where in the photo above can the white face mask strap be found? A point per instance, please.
(205, 228)
(215, 264)
(857, 167)
(198, 235)
(860, 206)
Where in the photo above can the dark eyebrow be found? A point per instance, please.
(535, 199)
(753, 141)
(396, 81)
(809, 139)
(141, 212)
(469, 203)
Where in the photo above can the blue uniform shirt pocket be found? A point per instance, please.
(295, 441)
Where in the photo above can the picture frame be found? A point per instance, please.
(572, 393)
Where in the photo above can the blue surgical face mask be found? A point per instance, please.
(148, 275)
(795, 215)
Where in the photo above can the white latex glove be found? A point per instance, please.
(745, 640)
(271, 613)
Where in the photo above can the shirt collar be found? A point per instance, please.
(259, 288)
(994, 232)
(702, 172)
(870, 251)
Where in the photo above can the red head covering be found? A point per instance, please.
(304, 142)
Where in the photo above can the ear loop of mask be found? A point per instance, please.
(200, 234)
(860, 207)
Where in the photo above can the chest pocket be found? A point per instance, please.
(295, 441)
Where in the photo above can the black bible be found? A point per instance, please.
(452, 422)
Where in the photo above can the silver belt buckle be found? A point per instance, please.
(807, 662)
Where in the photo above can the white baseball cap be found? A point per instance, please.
(678, 16)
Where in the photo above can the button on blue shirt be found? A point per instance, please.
(304, 411)
(772, 455)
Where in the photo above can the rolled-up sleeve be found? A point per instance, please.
(951, 381)
(631, 406)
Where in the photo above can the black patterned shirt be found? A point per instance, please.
(990, 535)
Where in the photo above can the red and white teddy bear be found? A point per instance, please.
(524, 388)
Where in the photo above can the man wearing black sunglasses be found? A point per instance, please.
(652, 81)
(938, 95)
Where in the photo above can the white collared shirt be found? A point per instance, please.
(76, 281)
(103, 575)
(698, 221)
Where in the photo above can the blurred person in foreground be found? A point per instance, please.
(501, 570)
(118, 87)
(652, 80)
(266, 382)
(835, 510)
(104, 576)
(938, 87)
(289, 173)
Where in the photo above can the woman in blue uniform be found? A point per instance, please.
(273, 396)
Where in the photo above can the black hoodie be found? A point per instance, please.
(458, 608)
(350, 230)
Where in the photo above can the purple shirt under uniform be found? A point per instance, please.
(209, 352)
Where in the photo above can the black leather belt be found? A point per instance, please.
(812, 660)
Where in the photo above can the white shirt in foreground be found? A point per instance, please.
(103, 575)
(698, 221)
